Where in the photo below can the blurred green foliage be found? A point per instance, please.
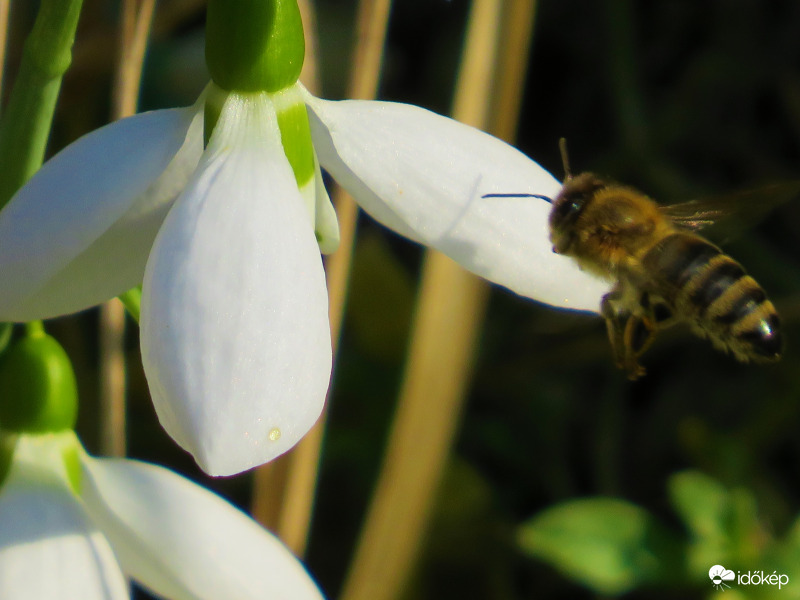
(614, 546)
(610, 545)
(696, 464)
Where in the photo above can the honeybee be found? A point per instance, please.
(662, 271)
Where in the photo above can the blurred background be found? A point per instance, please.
(682, 99)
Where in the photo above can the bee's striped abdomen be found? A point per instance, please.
(720, 300)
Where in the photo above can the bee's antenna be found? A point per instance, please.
(523, 195)
(562, 145)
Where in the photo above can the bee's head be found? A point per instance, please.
(575, 196)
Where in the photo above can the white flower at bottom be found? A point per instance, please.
(49, 547)
(129, 519)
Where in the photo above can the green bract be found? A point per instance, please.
(254, 45)
(38, 392)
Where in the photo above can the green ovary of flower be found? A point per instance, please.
(38, 392)
(254, 45)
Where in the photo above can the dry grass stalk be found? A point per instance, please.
(135, 25)
(450, 311)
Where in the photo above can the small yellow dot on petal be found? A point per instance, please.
(274, 434)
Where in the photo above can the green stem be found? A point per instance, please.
(25, 125)
(6, 329)
(132, 300)
(35, 329)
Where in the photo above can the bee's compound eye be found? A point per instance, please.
(576, 195)
(569, 208)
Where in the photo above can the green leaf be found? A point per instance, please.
(610, 545)
(702, 503)
(791, 541)
(723, 523)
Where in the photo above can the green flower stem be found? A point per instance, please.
(6, 329)
(132, 300)
(25, 125)
(35, 329)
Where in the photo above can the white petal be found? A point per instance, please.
(234, 328)
(182, 541)
(79, 232)
(49, 548)
(424, 176)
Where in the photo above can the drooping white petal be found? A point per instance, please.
(182, 541)
(49, 548)
(234, 325)
(424, 176)
(79, 232)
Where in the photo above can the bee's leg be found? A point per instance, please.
(639, 334)
(615, 324)
(657, 310)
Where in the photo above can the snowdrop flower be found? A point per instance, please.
(226, 239)
(73, 526)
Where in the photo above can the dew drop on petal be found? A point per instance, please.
(274, 434)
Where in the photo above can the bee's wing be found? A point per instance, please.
(731, 213)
